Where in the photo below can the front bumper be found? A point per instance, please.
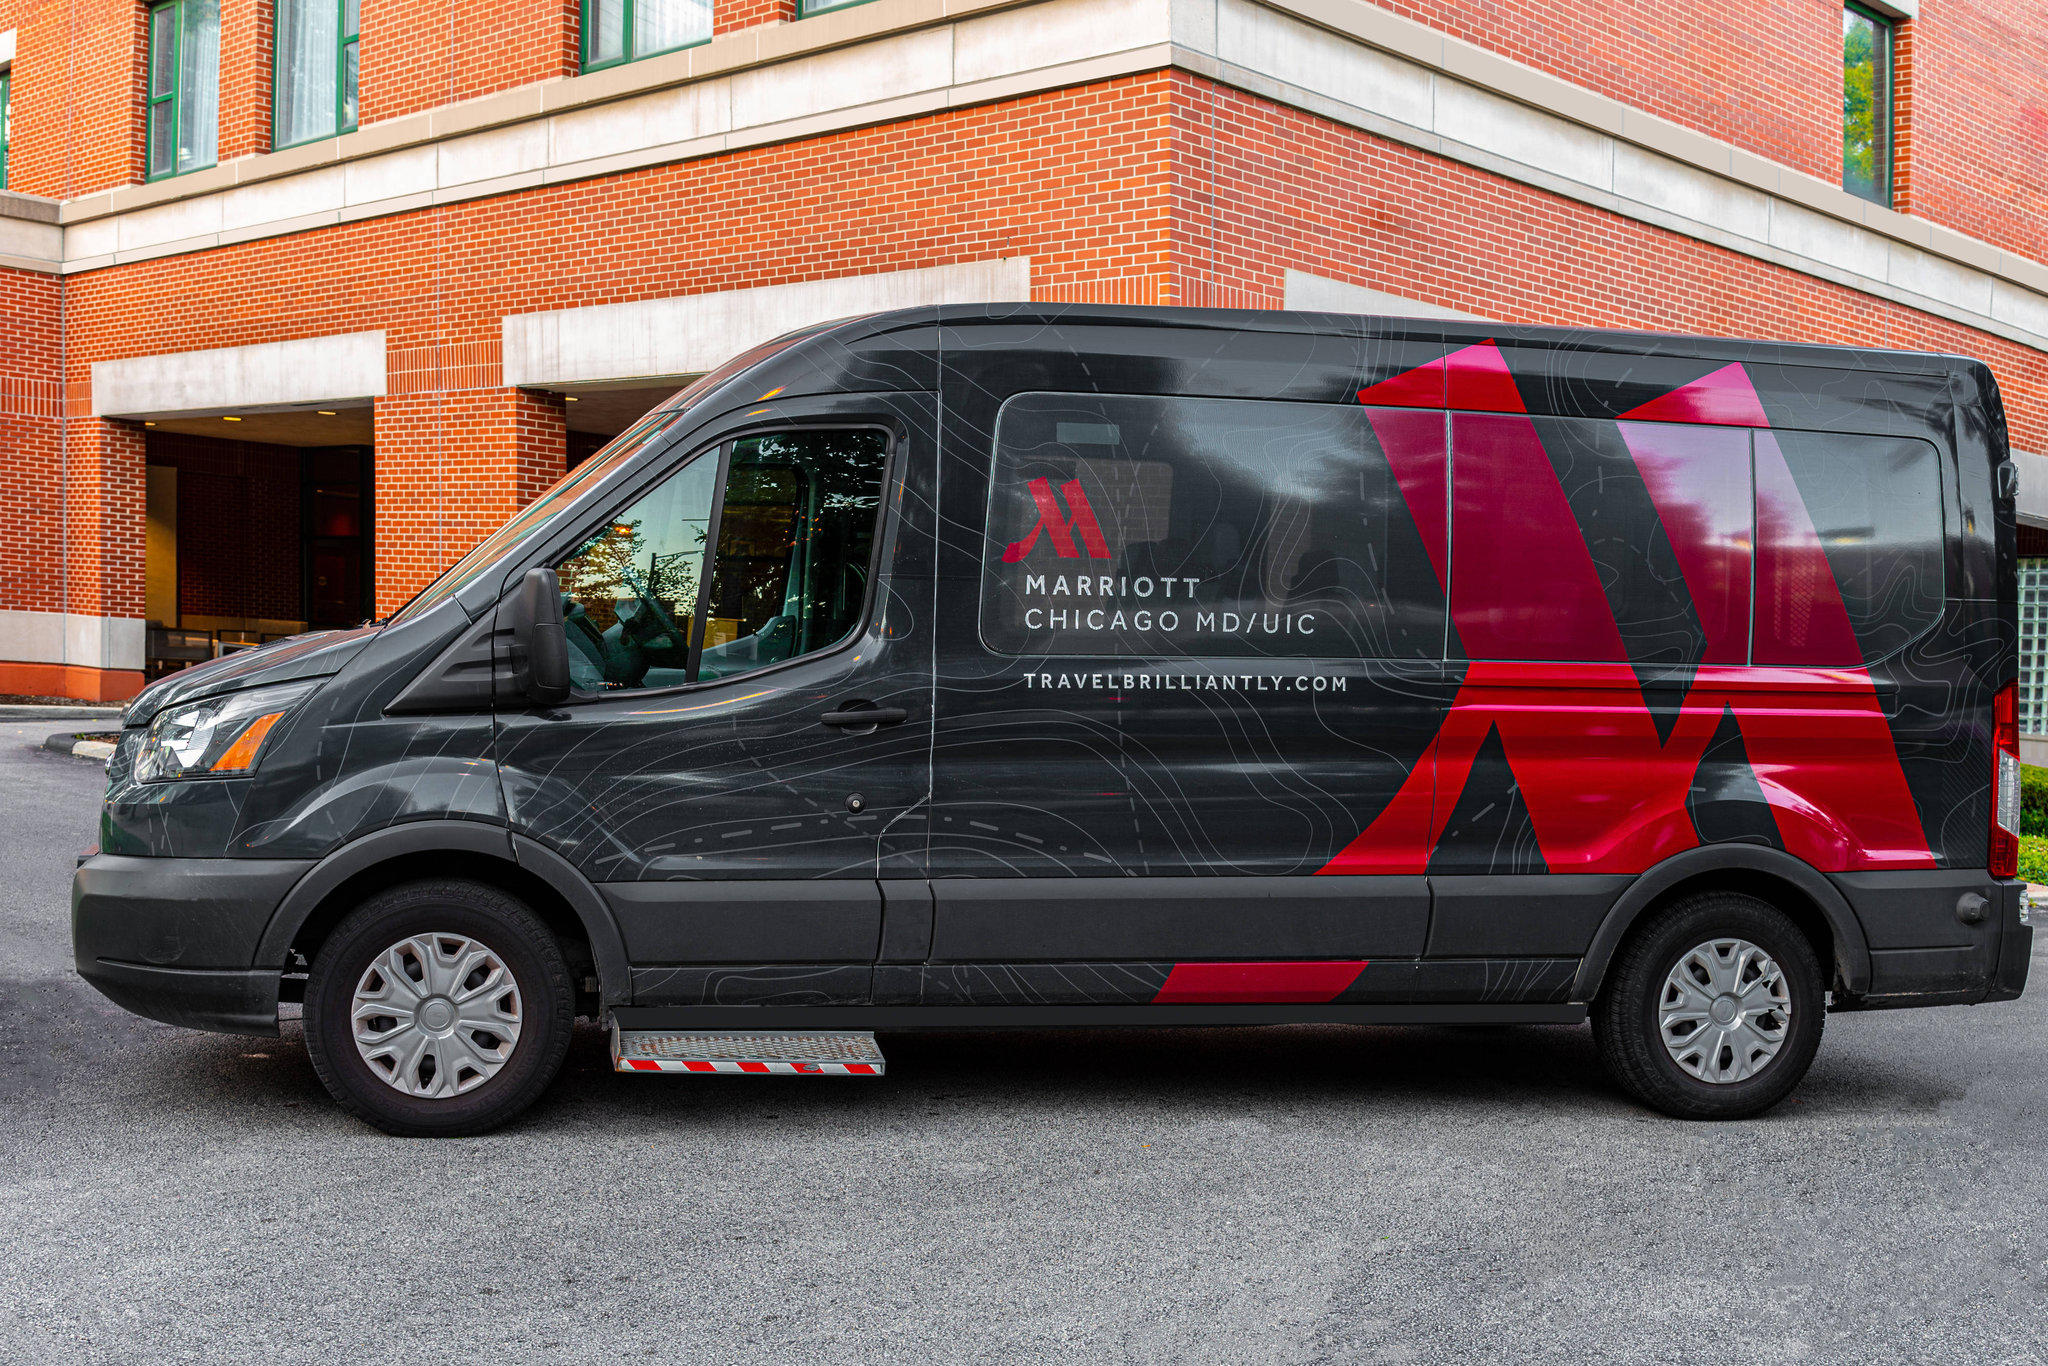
(175, 939)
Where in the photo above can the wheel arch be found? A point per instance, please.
(1795, 887)
(490, 854)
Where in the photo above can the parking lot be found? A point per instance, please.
(1207, 1195)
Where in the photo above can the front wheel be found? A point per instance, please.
(439, 1008)
(1713, 1009)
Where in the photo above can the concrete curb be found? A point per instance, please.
(64, 742)
(17, 711)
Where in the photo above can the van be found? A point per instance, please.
(1065, 665)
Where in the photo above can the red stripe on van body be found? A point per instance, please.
(1218, 983)
(1473, 379)
(1606, 794)
(1724, 398)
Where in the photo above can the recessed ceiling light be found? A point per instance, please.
(231, 419)
(323, 412)
(569, 397)
(149, 424)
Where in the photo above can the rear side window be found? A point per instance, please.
(1137, 526)
(1578, 540)
(687, 585)
(1849, 546)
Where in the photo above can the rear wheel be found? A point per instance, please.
(439, 1008)
(1713, 1009)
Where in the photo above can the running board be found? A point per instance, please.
(806, 1053)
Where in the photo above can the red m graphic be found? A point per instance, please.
(1058, 524)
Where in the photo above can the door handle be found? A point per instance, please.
(863, 715)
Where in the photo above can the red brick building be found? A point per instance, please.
(299, 297)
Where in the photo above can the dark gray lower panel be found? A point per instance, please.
(1390, 981)
(1536, 916)
(1084, 1017)
(826, 920)
(1059, 920)
(744, 985)
(1917, 909)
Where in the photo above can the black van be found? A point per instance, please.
(1044, 665)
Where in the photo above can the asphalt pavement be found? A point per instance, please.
(1279, 1195)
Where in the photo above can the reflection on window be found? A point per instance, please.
(617, 31)
(1162, 527)
(795, 542)
(1866, 105)
(789, 576)
(184, 86)
(629, 593)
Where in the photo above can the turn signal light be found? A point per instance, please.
(241, 755)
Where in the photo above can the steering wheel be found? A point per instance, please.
(638, 629)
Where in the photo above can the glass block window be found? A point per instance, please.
(2033, 689)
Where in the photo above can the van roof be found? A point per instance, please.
(1383, 327)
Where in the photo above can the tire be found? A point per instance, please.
(1709, 1071)
(418, 1076)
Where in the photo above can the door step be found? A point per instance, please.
(805, 1053)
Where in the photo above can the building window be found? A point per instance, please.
(184, 86)
(804, 7)
(2033, 689)
(6, 108)
(1866, 104)
(314, 67)
(616, 31)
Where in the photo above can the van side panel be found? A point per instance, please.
(1690, 602)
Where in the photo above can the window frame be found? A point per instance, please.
(807, 9)
(988, 516)
(1884, 114)
(721, 447)
(628, 54)
(6, 98)
(344, 40)
(174, 96)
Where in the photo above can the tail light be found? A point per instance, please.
(2005, 784)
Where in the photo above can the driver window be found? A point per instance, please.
(795, 539)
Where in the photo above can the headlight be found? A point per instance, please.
(220, 737)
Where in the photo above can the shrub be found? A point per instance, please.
(2033, 800)
(2034, 858)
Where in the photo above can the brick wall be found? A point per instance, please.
(246, 61)
(417, 54)
(1766, 77)
(238, 525)
(450, 468)
(1385, 215)
(76, 125)
(31, 537)
(1979, 121)
(727, 15)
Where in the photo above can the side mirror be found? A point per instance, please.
(540, 647)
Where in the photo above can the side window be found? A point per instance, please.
(314, 69)
(1849, 546)
(183, 90)
(1128, 526)
(1577, 540)
(794, 545)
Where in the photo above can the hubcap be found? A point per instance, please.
(1724, 1011)
(436, 1015)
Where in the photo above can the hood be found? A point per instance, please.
(309, 656)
